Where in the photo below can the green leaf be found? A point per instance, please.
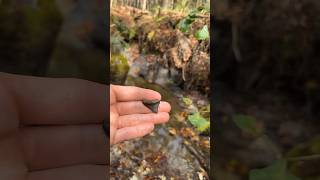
(276, 171)
(132, 33)
(199, 122)
(187, 101)
(190, 20)
(247, 124)
(202, 34)
(184, 25)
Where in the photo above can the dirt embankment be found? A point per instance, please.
(158, 34)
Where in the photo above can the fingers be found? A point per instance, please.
(113, 123)
(12, 164)
(50, 147)
(132, 93)
(79, 172)
(9, 120)
(136, 119)
(136, 107)
(137, 131)
(56, 101)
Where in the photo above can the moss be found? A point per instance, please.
(41, 22)
(119, 68)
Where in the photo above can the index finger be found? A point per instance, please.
(132, 93)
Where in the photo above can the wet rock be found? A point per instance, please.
(290, 132)
(150, 67)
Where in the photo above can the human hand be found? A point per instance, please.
(52, 129)
(129, 118)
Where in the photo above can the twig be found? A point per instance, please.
(202, 16)
(133, 158)
(235, 42)
(305, 158)
(198, 156)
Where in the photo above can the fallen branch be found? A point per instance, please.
(305, 158)
(199, 156)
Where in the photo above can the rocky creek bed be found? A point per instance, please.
(174, 150)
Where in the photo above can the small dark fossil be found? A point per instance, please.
(153, 105)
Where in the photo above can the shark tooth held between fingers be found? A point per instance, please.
(153, 105)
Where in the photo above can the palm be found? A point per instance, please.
(42, 138)
(35, 153)
(18, 168)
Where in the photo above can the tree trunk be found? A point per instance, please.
(144, 4)
(165, 4)
(198, 3)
